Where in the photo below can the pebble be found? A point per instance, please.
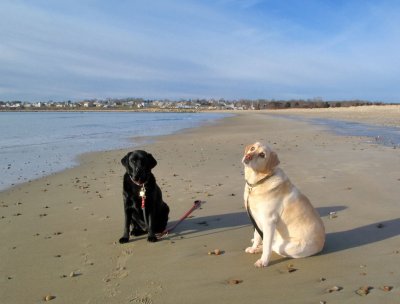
(234, 281)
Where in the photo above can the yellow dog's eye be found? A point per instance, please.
(252, 148)
(262, 154)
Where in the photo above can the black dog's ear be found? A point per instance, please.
(124, 160)
(152, 161)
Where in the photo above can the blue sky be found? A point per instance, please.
(283, 49)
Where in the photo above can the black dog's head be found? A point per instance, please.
(138, 165)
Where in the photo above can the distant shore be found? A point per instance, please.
(230, 106)
(150, 110)
(60, 233)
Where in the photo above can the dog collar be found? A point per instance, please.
(136, 183)
(251, 186)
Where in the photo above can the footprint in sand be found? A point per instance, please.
(119, 272)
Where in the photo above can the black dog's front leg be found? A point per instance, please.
(127, 224)
(151, 237)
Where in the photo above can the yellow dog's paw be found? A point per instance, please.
(260, 263)
(250, 250)
(253, 250)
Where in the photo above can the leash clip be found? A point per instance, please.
(142, 194)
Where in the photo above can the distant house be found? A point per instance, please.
(88, 104)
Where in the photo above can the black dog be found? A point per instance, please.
(138, 179)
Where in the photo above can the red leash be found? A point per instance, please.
(142, 194)
(195, 206)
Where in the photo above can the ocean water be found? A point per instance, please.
(36, 144)
(382, 135)
(388, 136)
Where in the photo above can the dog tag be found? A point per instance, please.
(142, 192)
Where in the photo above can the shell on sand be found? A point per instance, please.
(48, 298)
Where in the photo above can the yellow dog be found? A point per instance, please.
(284, 219)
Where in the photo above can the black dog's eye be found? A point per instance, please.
(262, 154)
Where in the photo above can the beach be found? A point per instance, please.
(59, 234)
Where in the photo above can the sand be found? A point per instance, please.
(59, 234)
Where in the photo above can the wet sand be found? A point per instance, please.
(60, 234)
(383, 115)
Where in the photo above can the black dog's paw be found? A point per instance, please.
(124, 240)
(138, 232)
(152, 238)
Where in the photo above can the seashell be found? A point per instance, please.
(74, 274)
(334, 288)
(363, 291)
(216, 252)
(386, 288)
(48, 298)
(290, 268)
(234, 281)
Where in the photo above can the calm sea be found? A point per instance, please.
(35, 144)
(383, 135)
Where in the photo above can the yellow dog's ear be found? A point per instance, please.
(272, 162)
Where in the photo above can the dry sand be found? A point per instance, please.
(59, 235)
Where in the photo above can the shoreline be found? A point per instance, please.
(386, 115)
(46, 154)
(69, 223)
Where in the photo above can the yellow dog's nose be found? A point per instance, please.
(248, 157)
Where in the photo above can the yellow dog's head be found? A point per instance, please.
(260, 158)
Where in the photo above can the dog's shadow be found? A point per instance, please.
(359, 236)
(335, 241)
